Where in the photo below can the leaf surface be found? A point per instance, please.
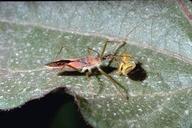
(31, 35)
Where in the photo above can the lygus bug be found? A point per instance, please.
(87, 64)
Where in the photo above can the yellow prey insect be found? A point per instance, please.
(126, 64)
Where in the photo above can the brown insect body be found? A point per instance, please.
(83, 64)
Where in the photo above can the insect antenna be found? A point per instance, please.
(102, 52)
(115, 53)
(123, 43)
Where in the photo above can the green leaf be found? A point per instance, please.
(31, 35)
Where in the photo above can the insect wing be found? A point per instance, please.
(57, 64)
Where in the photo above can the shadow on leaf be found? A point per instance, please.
(138, 74)
(56, 109)
(106, 69)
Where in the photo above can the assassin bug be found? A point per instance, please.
(87, 64)
(90, 62)
(81, 64)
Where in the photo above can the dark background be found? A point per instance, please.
(55, 110)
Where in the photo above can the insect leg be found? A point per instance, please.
(116, 51)
(75, 68)
(115, 82)
(103, 50)
(90, 49)
(59, 52)
(123, 43)
(82, 71)
(101, 87)
(89, 72)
